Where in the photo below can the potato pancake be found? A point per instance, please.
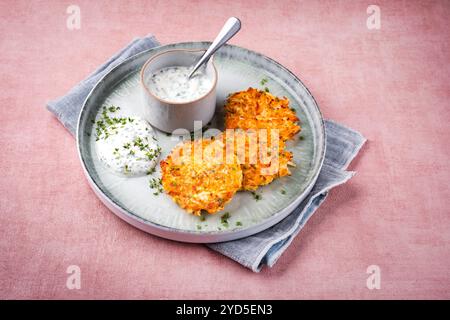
(261, 161)
(197, 178)
(255, 109)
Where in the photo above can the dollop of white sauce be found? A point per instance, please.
(128, 149)
(172, 84)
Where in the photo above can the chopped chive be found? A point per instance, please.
(256, 196)
(224, 219)
(156, 185)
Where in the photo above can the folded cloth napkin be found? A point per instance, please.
(67, 108)
(264, 248)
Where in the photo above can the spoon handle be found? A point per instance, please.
(230, 28)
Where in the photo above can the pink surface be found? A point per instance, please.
(391, 84)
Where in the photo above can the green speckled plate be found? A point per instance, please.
(132, 199)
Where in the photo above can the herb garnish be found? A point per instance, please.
(153, 153)
(224, 219)
(106, 121)
(256, 196)
(156, 185)
(113, 109)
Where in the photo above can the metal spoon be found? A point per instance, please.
(230, 28)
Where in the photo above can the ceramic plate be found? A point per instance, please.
(132, 199)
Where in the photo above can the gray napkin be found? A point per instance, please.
(67, 108)
(264, 248)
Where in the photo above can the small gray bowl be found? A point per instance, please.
(168, 115)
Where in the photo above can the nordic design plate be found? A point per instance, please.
(132, 199)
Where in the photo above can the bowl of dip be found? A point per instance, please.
(172, 100)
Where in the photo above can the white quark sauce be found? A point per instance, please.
(172, 84)
(128, 149)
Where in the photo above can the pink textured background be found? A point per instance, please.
(391, 84)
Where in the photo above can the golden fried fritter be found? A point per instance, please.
(197, 178)
(255, 109)
(261, 160)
